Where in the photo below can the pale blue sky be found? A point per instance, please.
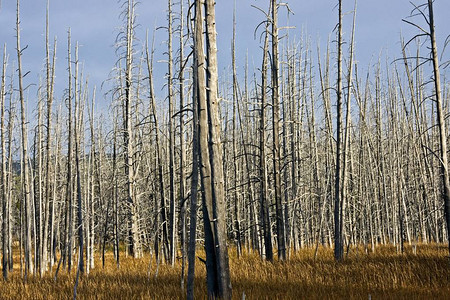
(94, 24)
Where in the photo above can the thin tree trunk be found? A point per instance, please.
(38, 190)
(346, 145)
(338, 238)
(194, 186)
(69, 199)
(77, 126)
(50, 72)
(160, 214)
(57, 164)
(183, 200)
(264, 197)
(237, 229)
(12, 116)
(5, 212)
(440, 115)
(134, 241)
(25, 163)
(172, 227)
(115, 197)
(281, 236)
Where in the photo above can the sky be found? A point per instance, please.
(95, 25)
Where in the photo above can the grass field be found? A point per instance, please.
(380, 275)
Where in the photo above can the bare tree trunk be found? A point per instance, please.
(68, 245)
(264, 197)
(214, 207)
(338, 238)
(50, 72)
(440, 115)
(194, 186)
(38, 211)
(78, 128)
(135, 245)
(172, 227)
(115, 198)
(160, 212)
(215, 156)
(25, 161)
(5, 212)
(57, 164)
(183, 200)
(95, 177)
(237, 229)
(346, 145)
(12, 117)
(281, 236)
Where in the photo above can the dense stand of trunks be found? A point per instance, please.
(261, 161)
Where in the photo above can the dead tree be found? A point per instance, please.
(194, 186)
(214, 206)
(25, 160)
(281, 236)
(68, 222)
(440, 118)
(133, 236)
(182, 197)
(236, 223)
(161, 219)
(49, 203)
(78, 121)
(264, 196)
(5, 212)
(172, 225)
(338, 202)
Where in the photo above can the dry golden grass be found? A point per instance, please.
(384, 274)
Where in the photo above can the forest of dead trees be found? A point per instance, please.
(309, 149)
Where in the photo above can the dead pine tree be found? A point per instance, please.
(263, 190)
(214, 206)
(237, 229)
(37, 183)
(161, 219)
(194, 188)
(440, 118)
(172, 225)
(9, 177)
(26, 188)
(135, 248)
(338, 201)
(347, 146)
(281, 236)
(50, 75)
(195, 173)
(5, 211)
(182, 196)
(68, 222)
(77, 126)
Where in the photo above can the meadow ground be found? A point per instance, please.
(380, 275)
